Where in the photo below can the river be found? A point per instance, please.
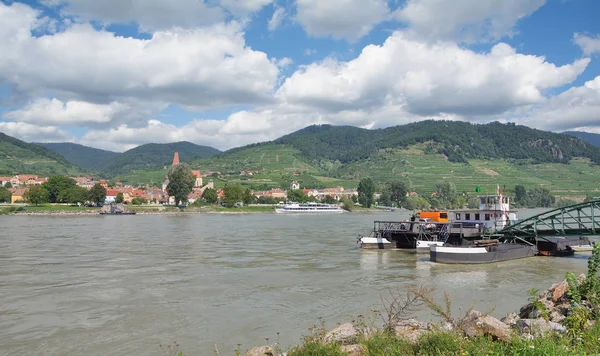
(122, 285)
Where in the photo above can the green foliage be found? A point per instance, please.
(347, 204)
(210, 196)
(534, 197)
(534, 299)
(55, 185)
(328, 199)
(366, 190)
(8, 185)
(446, 195)
(393, 193)
(21, 157)
(181, 182)
(153, 156)
(5, 195)
(83, 156)
(138, 201)
(458, 141)
(297, 195)
(119, 198)
(232, 194)
(248, 197)
(73, 195)
(589, 137)
(97, 194)
(37, 195)
(416, 203)
(587, 291)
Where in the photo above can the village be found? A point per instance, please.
(19, 184)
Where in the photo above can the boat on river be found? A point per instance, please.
(482, 251)
(115, 209)
(308, 208)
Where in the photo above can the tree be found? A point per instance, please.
(181, 182)
(520, 193)
(8, 185)
(232, 193)
(446, 194)
(296, 195)
(73, 195)
(37, 195)
(366, 189)
(5, 195)
(119, 198)
(397, 192)
(328, 199)
(56, 184)
(138, 201)
(97, 194)
(210, 196)
(248, 197)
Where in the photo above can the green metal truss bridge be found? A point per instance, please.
(579, 219)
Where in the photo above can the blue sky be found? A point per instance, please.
(225, 73)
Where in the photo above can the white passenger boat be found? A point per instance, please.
(307, 208)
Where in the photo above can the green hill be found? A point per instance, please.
(421, 154)
(458, 141)
(86, 157)
(19, 157)
(154, 156)
(589, 137)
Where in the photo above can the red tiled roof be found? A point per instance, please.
(111, 192)
(196, 173)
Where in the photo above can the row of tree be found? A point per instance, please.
(445, 196)
(61, 189)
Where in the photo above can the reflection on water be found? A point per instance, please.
(122, 285)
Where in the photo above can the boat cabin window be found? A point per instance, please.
(487, 216)
(467, 216)
(457, 216)
(477, 216)
(443, 215)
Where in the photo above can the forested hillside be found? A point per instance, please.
(19, 157)
(458, 141)
(83, 156)
(592, 138)
(153, 156)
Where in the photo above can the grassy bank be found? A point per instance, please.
(586, 342)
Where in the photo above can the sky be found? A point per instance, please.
(115, 74)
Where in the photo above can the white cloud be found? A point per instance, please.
(465, 20)
(342, 19)
(152, 15)
(240, 129)
(577, 108)
(34, 133)
(589, 45)
(428, 79)
(278, 16)
(202, 68)
(79, 113)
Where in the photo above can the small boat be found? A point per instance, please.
(481, 251)
(423, 246)
(370, 242)
(308, 208)
(117, 209)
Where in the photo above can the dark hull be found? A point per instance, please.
(560, 246)
(125, 213)
(490, 254)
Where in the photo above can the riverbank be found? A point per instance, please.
(144, 210)
(561, 320)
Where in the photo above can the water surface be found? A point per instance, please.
(116, 285)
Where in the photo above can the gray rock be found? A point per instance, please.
(410, 329)
(261, 351)
(346, 334)
(538, 327)
(510, 319)
(479, 324)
